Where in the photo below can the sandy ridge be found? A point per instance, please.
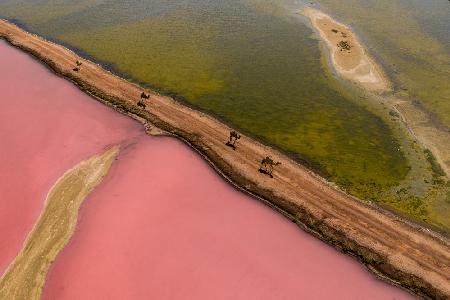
(354, 63)
(402, 252)
(25, 277)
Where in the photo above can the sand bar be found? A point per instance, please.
(348, 56)
(405, 253)
(352, 62)
(39, 141)
(25, 277)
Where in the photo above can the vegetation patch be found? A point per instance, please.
(411, 205)
(435, 166)
(344, 45)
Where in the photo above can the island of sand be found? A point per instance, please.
(348, 56)
(352, 62)
(25, 277)
(393, 248)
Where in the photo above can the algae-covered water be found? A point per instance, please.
(412, 38)
(253, 63)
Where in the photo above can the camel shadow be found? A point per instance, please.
(231, 145)
(261, 170)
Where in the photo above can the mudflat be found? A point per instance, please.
(405, 253)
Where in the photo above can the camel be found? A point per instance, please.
(141, 104)
(234, 137)
(267, 165)
(78, 67)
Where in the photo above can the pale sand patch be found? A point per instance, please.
(25, 277)
(436, 139)
(352, 62)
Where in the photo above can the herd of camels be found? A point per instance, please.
(267, 164)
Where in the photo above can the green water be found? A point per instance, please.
(252, 63)
(412, 37)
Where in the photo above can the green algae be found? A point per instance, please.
(140, 49)
(411, 41)
(260, 71)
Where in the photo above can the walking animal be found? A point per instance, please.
(78, 67)
(267, 165)
(141, 104)
(233, 139)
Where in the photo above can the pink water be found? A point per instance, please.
(162, 225)
(46, 127)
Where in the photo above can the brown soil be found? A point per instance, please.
(399, 251)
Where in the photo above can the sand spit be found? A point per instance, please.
(348, 55)
(398, 251)
(352, 62)
(431, 136)
(25, 277)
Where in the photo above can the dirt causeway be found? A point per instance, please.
(399, 251)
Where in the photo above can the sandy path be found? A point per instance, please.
(403, 252)
(25, 277)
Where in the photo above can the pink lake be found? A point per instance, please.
(162, 225)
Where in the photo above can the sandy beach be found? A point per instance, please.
(348, 56)
(405, 253)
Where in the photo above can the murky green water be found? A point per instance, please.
(251, 62)
(412, 37)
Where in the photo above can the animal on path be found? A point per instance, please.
(233, 139)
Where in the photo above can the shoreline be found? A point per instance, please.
(407, 255)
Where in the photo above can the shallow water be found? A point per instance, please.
(411, 38)
(252, 63)
(163, 224)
